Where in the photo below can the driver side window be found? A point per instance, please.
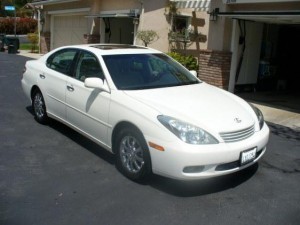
(88, 66)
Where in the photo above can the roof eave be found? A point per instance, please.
(52, 2)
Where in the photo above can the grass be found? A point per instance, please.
(28, 46)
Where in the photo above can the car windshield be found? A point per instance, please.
(145, 71)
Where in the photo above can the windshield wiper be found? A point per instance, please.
(159, 86)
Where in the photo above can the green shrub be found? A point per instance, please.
(34, 40)
(188, 61)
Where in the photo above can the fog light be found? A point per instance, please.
(193, 169)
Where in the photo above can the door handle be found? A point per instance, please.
(70, 88)
(42, 76)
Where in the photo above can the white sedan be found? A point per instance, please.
(151, 112)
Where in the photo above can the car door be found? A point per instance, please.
(87, 108)
(53, 81)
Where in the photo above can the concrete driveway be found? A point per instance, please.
(52, 175)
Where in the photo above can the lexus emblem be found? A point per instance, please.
(237, 120)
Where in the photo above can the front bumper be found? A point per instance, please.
(205, 160)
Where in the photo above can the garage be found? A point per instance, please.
(279, 58)
(265, 48)
(68, 30)
(118, 30)
(119, 26)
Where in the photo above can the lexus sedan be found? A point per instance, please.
(147, 109)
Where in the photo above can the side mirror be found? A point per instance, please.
(95, 82)
(193, 72)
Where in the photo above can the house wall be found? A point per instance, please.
(108, 5)
(215, 61)
(219, 30)
(212, 45)
(153, 16)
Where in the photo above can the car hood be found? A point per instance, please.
(201, 104)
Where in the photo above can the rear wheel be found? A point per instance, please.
(39, 107)
(133, 158)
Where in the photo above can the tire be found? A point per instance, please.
(132, 155)
(39, 107)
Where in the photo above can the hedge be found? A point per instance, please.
(23, 25)
(189, 61)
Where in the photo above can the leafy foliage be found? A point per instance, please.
(189, 61)
(24, 25)
(171, 7)
(34, 39)
(147, 36)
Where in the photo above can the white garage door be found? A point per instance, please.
(68, 30)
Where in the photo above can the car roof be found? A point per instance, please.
(115, 49)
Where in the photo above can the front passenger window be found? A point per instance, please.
(88, 66)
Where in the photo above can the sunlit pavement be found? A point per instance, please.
(53, 175)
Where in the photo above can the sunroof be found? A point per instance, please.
(116, 46)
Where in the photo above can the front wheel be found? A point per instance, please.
(39, 107)
(132, 155)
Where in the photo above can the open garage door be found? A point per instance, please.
(119, 26)
(273, 60)
(118, 30)
(256, 38)
(68, 30)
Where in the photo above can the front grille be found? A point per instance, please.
(237, 135)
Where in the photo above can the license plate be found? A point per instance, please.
(247, 156)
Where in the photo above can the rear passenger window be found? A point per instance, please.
(62, 61)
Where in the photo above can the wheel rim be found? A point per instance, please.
(131, 153)
(39, 105)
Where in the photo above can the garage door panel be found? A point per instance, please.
(69, 30)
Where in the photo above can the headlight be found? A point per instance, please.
(259, 115)
(186, 132)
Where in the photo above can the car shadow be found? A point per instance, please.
(79, 139)
(284, 132)
(169, 186)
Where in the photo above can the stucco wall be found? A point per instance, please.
(107, 5)
(220, 30)
(153, 16)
